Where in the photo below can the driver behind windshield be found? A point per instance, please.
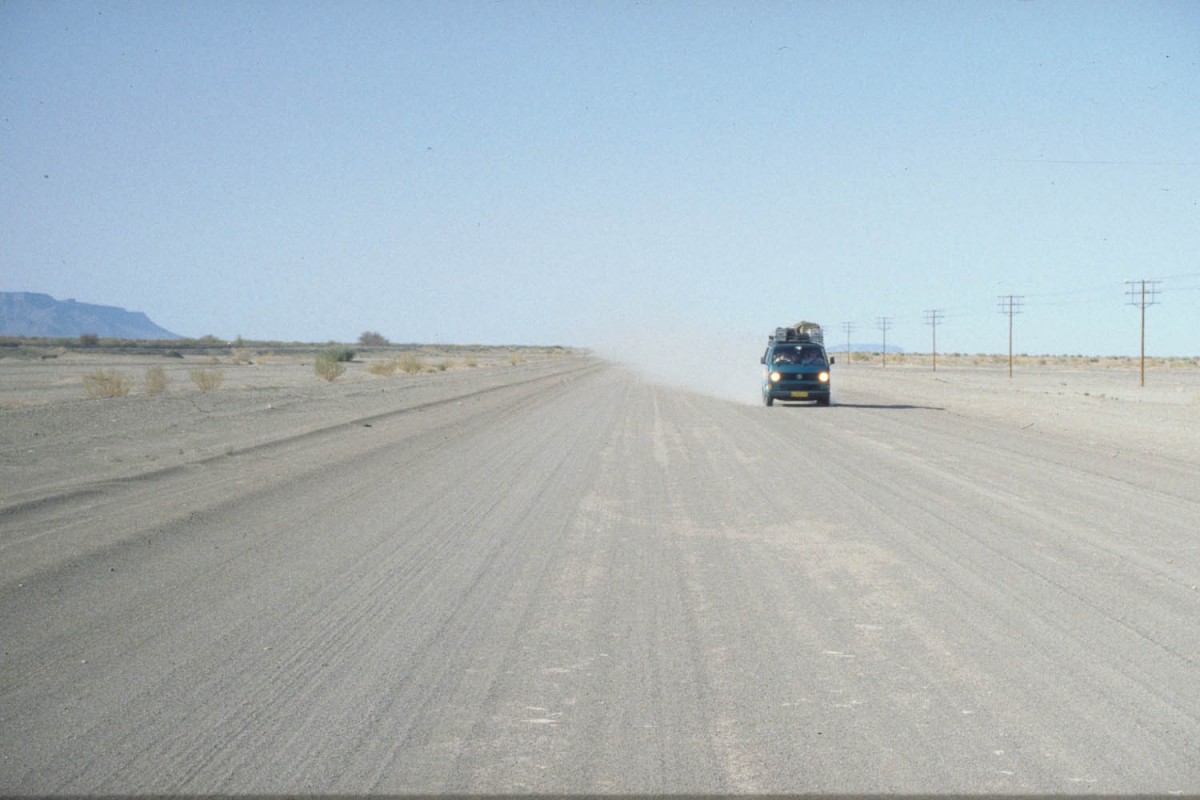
(809, 356)
(786, 356)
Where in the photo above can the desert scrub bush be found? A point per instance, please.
(328, 366)
(156, 380)
(409, 363)
(472, 361)
(207, 379)
(384, 368)
(443, 365)
(338, 354)
(516, 359)
(106, 383)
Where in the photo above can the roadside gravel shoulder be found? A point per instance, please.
(56, 440)
(1100, 407)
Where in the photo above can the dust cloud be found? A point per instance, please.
(721, 364)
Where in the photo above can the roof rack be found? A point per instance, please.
(803, 332)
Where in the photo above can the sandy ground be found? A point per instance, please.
(55, 435)
(559, 577)
(1102, 405)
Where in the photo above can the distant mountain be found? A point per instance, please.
(33, 314)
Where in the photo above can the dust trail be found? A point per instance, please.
(722, 364)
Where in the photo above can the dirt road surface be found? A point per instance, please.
(559, 577)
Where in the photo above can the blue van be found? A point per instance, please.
(796, 367)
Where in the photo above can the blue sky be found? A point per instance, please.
(583, 172)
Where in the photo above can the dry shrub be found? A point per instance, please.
(339, 353)
(384, 368)
(328, 366)
(516, 359)
(156, 380)
(106, 383)
(472, 361)
(242, 355)
(207, 379)
(409, 363)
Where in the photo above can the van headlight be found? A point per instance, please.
(775, 377)
(823, 377)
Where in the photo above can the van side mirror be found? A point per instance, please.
(832, 361)
(762, 359)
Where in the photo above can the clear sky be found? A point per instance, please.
(578, 173)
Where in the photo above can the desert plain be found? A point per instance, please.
(533, 570)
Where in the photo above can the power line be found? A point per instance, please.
(1010, 304)
(1186, 276)
(1142, 293)
(1092, 162)
(1096, 289)
(848, 327)
(932, 317)
(884, 323)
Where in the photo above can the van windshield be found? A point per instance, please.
(805, 355)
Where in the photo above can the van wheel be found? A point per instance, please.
(768, 400)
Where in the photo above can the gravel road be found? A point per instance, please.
(558, 577)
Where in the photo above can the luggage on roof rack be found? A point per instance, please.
(800, 332)
(789, 335)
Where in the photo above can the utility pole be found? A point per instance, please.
(884, 323)
(1010, 304)
(848, 327)
(1142, 293)
(932, 317)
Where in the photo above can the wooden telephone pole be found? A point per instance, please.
(932, 317)
(884, 323)
(1010, 304)
(1142, 293)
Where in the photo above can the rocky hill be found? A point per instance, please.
(40, 315)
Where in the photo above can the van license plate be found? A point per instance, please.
(797, 395)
